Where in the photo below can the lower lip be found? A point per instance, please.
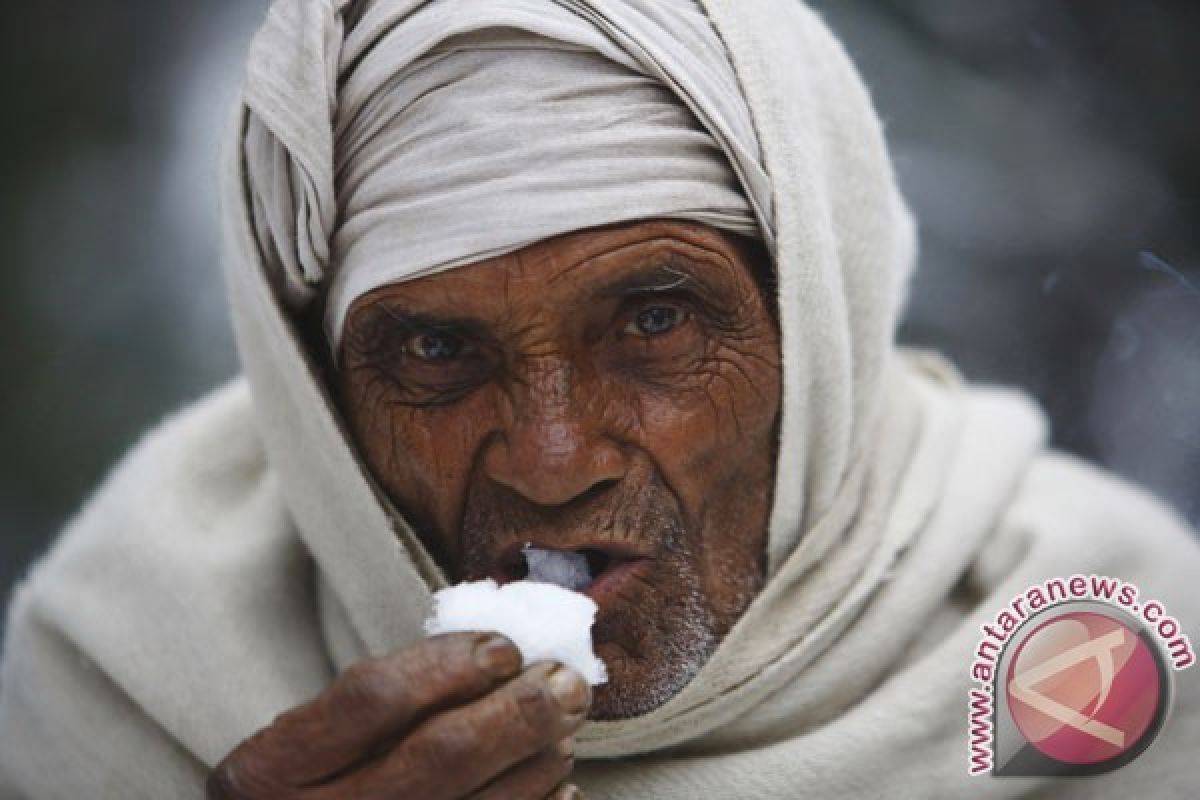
(605, 590)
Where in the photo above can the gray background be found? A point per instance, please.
(1050, 149)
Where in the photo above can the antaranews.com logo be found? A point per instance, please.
(1073, 677)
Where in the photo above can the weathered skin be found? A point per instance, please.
(447, 718)
(615, 387)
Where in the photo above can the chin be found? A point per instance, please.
(643, 678)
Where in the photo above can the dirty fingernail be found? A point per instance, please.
(498, 656)
(568, 791)
(569, 689)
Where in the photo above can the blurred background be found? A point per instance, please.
(1051, 150)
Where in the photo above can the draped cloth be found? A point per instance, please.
(475, 128)
(242, 554)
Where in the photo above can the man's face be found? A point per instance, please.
(613, 392)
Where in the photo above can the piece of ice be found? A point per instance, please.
(544, 621)
(566, 569)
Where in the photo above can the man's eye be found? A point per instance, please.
(655, 321)
(435, 346)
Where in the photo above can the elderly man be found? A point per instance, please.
(613, 277)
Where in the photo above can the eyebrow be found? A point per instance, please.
(660, 278)
(388, 313)
(658, 275)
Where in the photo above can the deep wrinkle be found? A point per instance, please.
(611, 386)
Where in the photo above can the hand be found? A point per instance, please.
(445, 719)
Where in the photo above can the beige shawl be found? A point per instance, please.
(241, 554)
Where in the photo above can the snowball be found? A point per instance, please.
(566, 569)
(544, 621)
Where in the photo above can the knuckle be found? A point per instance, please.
(453, 654)
(446, 647)
(362, 687)
(529, 705)
(459, 640)
(448, 749)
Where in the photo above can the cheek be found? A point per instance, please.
(713, 440)
(718, 416)
(422, 456)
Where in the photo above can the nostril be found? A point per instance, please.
(596, 489)
(553, 462)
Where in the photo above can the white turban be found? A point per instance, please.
(481, 126)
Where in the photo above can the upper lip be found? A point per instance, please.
(509, 563)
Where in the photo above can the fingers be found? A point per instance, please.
(363, 711)
(461, 750)
(535, 778)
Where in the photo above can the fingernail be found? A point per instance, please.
(568, 791)
(498, 656)
(569, 689)
(565, 747)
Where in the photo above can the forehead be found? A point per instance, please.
(584, 266)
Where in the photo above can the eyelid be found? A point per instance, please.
(392, 317)
(386, 327)
(448, 335)
(421, 382)
(630, 318)
(684, 300)
(690, 292)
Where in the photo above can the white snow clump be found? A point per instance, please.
(566, 569)
(544, 621)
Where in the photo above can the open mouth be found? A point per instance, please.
(589, 570)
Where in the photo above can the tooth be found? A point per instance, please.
(565, 569)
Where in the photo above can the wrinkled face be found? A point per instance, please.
(612, 392)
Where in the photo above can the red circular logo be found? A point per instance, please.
(1084, 688)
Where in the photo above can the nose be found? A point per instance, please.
(555, 449)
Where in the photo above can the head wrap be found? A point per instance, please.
(477, 127)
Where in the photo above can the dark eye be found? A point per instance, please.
(654, 321)
(435, 346)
